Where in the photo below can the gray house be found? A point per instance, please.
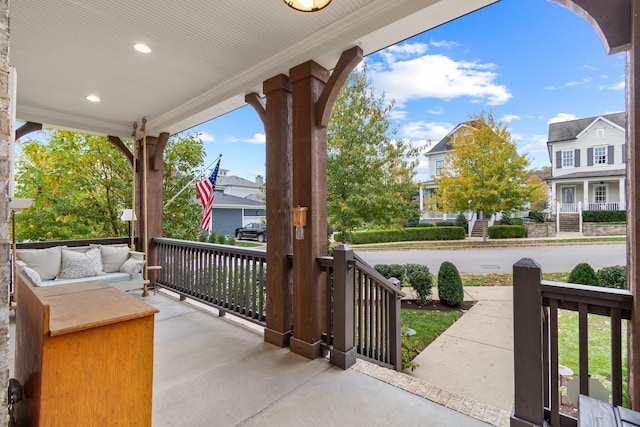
(231, 212)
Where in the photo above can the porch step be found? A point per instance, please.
(477, 227)
(570, 222)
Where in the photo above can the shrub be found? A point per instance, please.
(420, 279)
(425, 224)
(221, 239)
(613, 277)
(604, 216)
(461, 221)
(516, 221)
(212, 237)
(583, 274)
(408, 234)
(506, 231)
(390, 270)
(537, 217)
(445, 224)
(505, 220)
(450, 289)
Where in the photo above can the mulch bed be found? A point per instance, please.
(435, 305)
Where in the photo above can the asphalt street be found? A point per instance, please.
(552, 259)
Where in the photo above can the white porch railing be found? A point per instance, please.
(610, 206)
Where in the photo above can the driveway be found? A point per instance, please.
(553, 259)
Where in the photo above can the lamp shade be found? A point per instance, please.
(128, 215)
(19, 204)
(307, 5)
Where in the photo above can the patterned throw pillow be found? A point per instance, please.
(132, 266)
(33, 275)
(77, 264)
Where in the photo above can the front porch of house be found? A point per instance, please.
(593, 194)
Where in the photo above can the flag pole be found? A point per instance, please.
(190, 183)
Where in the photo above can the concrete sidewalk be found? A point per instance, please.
(474, 357)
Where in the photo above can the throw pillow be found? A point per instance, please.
(78, 264)
(132, 266)
(33, 275)
(46, 262)
(113, 257)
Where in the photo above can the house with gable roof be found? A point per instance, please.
(588, 164)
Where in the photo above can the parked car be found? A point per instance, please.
(253, 230)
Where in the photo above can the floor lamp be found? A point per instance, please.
(129, 215)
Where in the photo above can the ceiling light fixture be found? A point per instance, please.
(93, 98)
(307, 5)
(142, 48)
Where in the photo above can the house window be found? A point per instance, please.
(567, 158)
(599, 133)
(439, 167)
(600, 155)
(600, 193)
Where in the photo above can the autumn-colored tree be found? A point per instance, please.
(81, 183)
(485, 173)
(370, 170)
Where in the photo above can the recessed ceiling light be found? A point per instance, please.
(142, 48)
(93, 98)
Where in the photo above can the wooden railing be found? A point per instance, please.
(228, 278)
(535, 324)
(363, 312)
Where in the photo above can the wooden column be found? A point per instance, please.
(155, 150)
(309, 190)
(277, 123)
(633, 220)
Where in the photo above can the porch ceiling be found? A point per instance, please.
(206, 55)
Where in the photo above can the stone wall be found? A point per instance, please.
(596, 229)
(6, 148)
(547, 229)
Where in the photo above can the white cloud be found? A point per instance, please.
(617, 86)
(562, 117)
(535, 144)
(206, 137)
(427, 131)
(437, 76)
(436, 110)
(572, 83)
(444, 43)
(397, 114)
(258, 138)
(404, 50)
(507, 118)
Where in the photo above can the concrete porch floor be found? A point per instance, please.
(211, 371)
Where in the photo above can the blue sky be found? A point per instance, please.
(528, 62)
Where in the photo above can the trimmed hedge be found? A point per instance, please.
(444, 224)
(584, 274)
(604, 216)
(450, 291)
(505, 231)
(408, 235)
(613, 277)
(537, 217)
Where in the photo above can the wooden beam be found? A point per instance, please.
(115, 140)
(156, 162)
(347, 62)
(256, 102)
(27, 128)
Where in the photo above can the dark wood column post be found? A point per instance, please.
(309, 190)
(528, 408)
(155, 150)
(633, 203)
(277, 123)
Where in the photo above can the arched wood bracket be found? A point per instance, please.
(347, 62)
(122, 147)
(256, 102)
(156, 162)
(610, 19)
(27, 128)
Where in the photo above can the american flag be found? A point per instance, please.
(206, 190)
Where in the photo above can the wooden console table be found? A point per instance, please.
(84, 355)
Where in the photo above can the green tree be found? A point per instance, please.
(370, 179)
(485, 173)
(81, 183)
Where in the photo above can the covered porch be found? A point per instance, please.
(290, 71)
(575, 194)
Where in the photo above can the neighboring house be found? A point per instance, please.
(231, 212)
(588, 160)
(435, 166)
(237, 202)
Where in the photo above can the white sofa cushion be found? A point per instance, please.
(78, 264)
(132, 266)
(113, 257)
(46, 262)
